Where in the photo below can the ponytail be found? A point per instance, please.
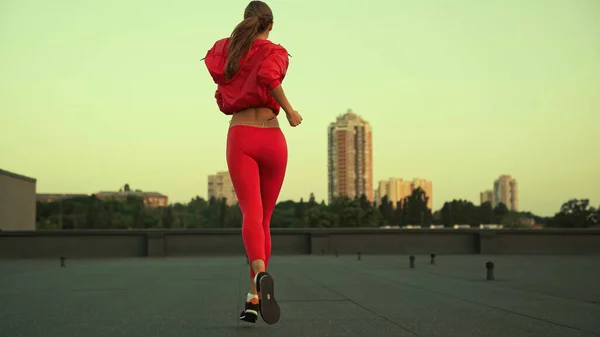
(239, 43)
(241, 40)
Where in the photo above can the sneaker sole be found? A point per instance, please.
(269, 309)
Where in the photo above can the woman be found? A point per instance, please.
(248, 70)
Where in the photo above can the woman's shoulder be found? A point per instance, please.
(220, 45)
(270, 46)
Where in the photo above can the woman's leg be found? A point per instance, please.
(244, 171)
(257, 159)
(273, 164)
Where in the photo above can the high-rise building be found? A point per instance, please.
(220, 186)
(396, 189)
(506, 191)
(486, 196)
(350, 157)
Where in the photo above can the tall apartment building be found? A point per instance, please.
(350, 157)
(396, 189)
(220, 186)
(486, 196)
(506, 191)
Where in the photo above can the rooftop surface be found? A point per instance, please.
(318, 295)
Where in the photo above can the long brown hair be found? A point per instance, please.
(257, 19)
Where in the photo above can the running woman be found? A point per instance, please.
(248, 70)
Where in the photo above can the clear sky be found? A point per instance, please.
(96, 94)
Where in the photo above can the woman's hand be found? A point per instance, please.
(294, 118)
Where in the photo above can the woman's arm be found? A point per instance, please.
(272, 72)
(281, 98)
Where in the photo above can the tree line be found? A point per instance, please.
(131, 213)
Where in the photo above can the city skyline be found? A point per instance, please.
(458, 93)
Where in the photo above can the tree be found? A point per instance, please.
(94, 209)
(459, 212)
(364, 203)
(93, 213)
(415, 207)
(594, 217)
(386, 208)
(320, 218)
(234, 217)
(399, 214)
(576, 213)
(499, 212)
(311, 201)
(300, 211)
(167, 218)
(372, 217)
(284, 215)
(485, 214)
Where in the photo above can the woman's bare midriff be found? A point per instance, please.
(257, 117)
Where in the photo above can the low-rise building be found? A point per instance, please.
(17, 202)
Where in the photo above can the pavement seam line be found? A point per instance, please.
(363, 307)
(471, 301)
(499, 285)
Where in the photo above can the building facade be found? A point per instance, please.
(486, 196)
(350, 158)
(506, 191)
(396, 189)
(151, 199)
(17, 202)
(220, 186)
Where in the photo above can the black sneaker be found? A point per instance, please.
(250, 313)
(269, 309)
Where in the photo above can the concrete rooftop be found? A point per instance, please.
(319, 296)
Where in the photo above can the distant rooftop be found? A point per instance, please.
(133, 193)
(17, 176)
(66, 195)
(348, 118)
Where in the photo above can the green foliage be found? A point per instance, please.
(576, 213)
(463, 212)
(92, 213)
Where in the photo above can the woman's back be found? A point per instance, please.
(260, 70)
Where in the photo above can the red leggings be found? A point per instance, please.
(257, 160)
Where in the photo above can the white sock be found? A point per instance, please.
(250, 296)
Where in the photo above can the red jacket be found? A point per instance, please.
(261, 70)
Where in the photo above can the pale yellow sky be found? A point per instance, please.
(94, 95)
